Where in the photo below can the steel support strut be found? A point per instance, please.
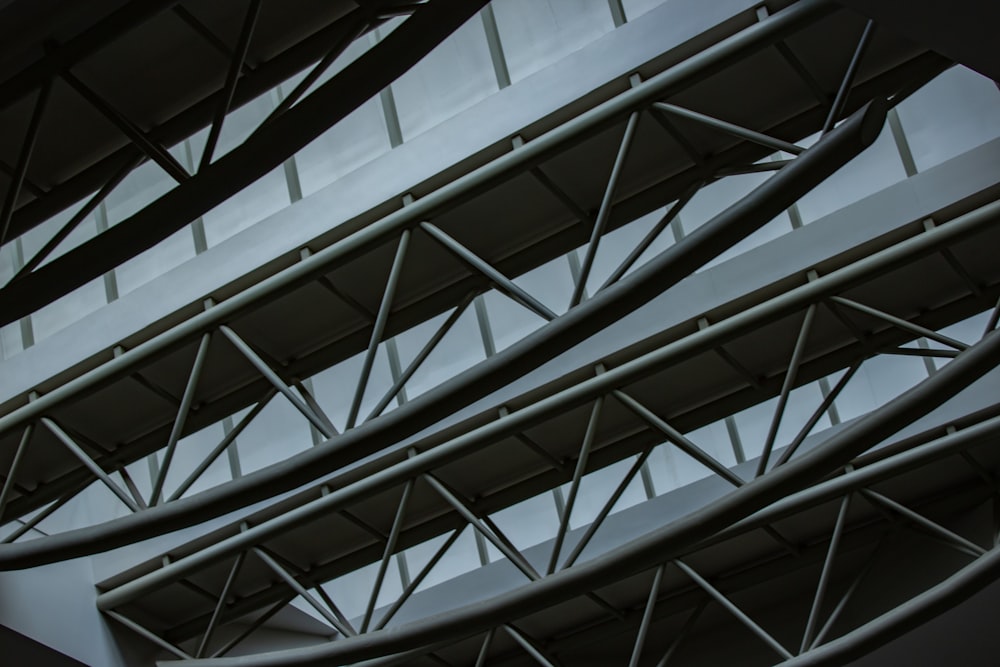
(667, 269)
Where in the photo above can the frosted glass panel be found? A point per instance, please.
(70, 308)
(636, 8)
(535, 33)
(955, 112)
(454, 76)
(354, 141)
(165, 255)
(264, 197)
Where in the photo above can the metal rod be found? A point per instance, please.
(647, 617)
(82, 456)
(581, 468)
(804, 74)
(528, 646)
(378, 328)
(598, 573)
(818, 413)
(651, 236)
(132, 488)
(425, 352)
(276, 381)
(153, 637)
(229, 87)
(390, 547)
(485, 648)
(303, 593)
(786, 387)
(733, 609)
(233, 573)
(252, 627)
(314, 405)
(852, 69)
(605, 211)
(513, 555)
(78, 217)
(38, 518)
(684, 631)
(606, 508)
(730, 128)
(848, 594)
(21, 169)
(921, 352)
(958, 541)
(667, 268)
(901, 323)
(502, 282)
(824, 577)
(153, 151)
(668, 126)
(678, 438)
(182, 414)
(8, 483)
(222, 446)
(356, 30)
(755, 168)
(413, 585)
(991, 323)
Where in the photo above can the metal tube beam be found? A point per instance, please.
(948, 536)
(418, 360)
(705, 339)
(581, 467)
(229, 87)
(774, 196)
(151, 636)
(852, 69)
(684, 631)
(242, 166)
(413, 585)
(500, 281)
(786, 387)
(605, 211)
(222, 446)
(89, 463)
(264, 369)
(668, 540)
(303, 593)
(152, 150)
(8, 483)
(390, 547)
(378, 329)
(528, 646)
(252, 627)
(824, 576)
(647, 617)
(731, 128)
(733, 609)
(182, 412)
(901, 323)
(818, 413)
(21, 168)
(233, 573)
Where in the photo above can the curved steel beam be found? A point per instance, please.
(663, 543)
(670, 267)
(433, 456)
(270, 147)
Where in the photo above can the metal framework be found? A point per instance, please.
(371, 463)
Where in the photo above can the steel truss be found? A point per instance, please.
(596, 312)
(606, 386)
(778, 488)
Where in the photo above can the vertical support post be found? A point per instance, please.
(390, 547)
